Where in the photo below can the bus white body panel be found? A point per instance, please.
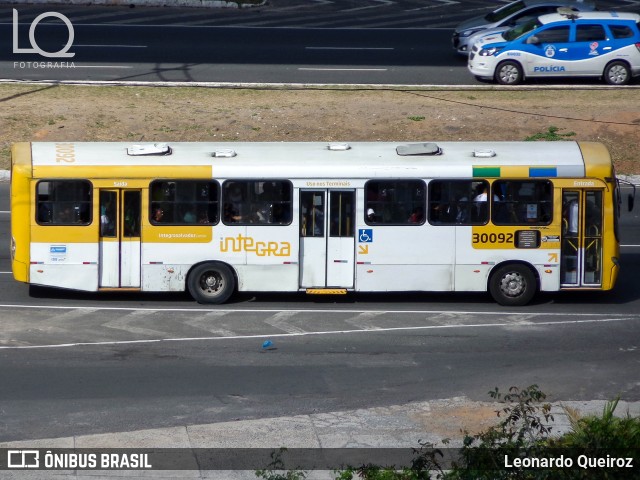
(68, 265)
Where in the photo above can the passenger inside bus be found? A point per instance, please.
(417, 216)
(158, 215)
(231, 215)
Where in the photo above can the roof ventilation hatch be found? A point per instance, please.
(418, 149)
(224, 153)
(149, 149)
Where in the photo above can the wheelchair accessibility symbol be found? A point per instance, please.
(365, 235)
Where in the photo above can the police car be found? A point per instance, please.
(508, 16)
(586, 44)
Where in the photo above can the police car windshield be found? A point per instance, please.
(521, 29)
(504, 12)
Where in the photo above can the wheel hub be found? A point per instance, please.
(513, 285)
(210, 282)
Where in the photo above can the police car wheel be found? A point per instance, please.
(617, 73)
(508, 73)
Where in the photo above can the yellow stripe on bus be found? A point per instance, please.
(123, 172)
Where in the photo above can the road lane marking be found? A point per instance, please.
(343, 69)
(349, 48)
(111, 46)
(104, 66)
(321, 333)
(514, 320)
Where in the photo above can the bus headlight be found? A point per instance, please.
(13, 248)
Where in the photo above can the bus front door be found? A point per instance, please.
(120, 238)
(327, 238)
(581, 262)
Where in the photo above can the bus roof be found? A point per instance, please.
(313, 159)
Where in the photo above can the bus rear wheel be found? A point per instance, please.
(513, 285)
(211, 283)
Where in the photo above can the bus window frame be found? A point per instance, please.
(245, 223)
(52, 223)
(519, 203)
(407, 222)
(471, 202)
(155, 204)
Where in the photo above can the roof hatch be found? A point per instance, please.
(484, 153)
(418, 149)
(149, 149)
(338, 147)
(224, 153)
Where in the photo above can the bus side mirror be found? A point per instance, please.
(532, 40)
(630, 201)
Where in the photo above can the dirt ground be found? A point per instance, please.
(135, 114)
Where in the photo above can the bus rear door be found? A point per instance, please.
(120, 238)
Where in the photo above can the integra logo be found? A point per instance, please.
(553, 68)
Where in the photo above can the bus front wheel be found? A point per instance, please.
(513, 285)
(211, 283)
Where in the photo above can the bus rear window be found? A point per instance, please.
(63, 202)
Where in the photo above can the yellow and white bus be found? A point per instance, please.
(510, 218)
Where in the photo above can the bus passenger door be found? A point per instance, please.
(120, 238)
(581, 262)
(327, 238)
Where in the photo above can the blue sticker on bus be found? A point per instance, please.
(58, 249)
(365, 235)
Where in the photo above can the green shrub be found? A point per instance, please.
(523, 433)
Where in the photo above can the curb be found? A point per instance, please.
(309, 86)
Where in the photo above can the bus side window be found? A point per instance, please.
(455, 202)
(395, 202)
(184, 202)
(63, 202)
(257, 202)
(526, 202)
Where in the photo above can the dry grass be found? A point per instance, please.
(88, 113)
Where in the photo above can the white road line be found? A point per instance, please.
(349, 48)
(381, 3)
(319, 333)
(343, 69)
(111, 46)
(103, 66)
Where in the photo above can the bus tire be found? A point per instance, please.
(211, 282)
(513, 285)
(509, 73)
(617, 73)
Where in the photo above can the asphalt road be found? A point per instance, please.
(74, 363)
(404, 42)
